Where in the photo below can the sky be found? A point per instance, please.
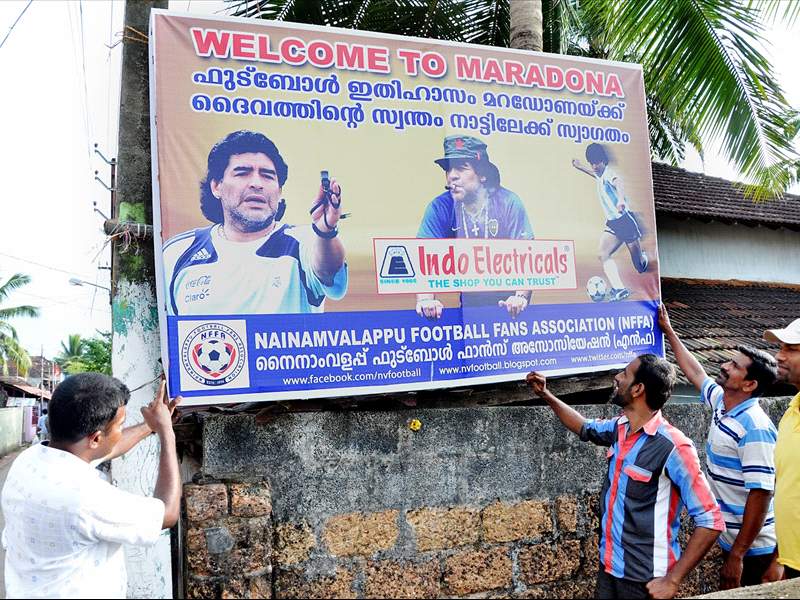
(60, 67)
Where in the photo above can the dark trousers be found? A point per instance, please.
(611, 588)
(753, 567)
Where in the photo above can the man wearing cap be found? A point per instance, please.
(474, 205)
(787, 450)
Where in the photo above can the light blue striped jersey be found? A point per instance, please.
(608, 194)
(739, 458)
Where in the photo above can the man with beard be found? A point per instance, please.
(474, 205)
(652, 466)
(247, 262)
(787, 450)
(739, 456)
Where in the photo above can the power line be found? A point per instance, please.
(25, 260)
(85, 89)
(51, 301)
(15, 22)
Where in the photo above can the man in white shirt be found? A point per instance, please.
(65, 525)
(247, 262)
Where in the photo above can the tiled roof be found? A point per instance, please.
(713, 317)
(685, 194)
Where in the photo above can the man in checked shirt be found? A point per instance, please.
(652, 469)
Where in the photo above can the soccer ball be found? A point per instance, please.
(596, 288)
(213, 356)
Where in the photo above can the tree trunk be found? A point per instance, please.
(526, 24)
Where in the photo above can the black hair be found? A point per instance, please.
(85, 403)
(238, 142)
(763, 369)
(658, 378)
(596, 153)
(44, 411)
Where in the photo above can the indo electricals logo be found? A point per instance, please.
(213, 354)
(396, 263)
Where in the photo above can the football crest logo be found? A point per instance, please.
(213, 354)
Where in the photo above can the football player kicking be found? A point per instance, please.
(621, 226)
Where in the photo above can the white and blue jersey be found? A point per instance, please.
(205, 274)
(608, 194)
(739, 458)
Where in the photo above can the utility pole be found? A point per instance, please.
(135, 343)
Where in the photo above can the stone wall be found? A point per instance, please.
(495, 501)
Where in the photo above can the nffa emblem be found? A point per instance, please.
(213, 354)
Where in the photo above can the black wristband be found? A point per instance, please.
(328, 235)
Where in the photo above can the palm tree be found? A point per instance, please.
(71, 356)
(705, 73)
(10, 350)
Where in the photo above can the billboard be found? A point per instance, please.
(341, 212)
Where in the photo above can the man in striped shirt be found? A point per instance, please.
(652, 469)
(739, 455)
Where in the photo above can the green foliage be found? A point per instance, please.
(706, 74)
(79, 355)
(10, 350)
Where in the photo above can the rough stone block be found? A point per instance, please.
(361, 534)
(504, 522)
(592, 511)
(390, 579)
(218, 540)
(591, 555)
(199, 588)
(204, 502)
(474, 571)
(250, 499)
(293, 584)
(260, 587)
(251, 561)
(690, 586)
(567, 514)
(545, 562)
(708, 571)
(195, 540)
(294, 542)
(442, 528)
(579, 589)
(234, 588)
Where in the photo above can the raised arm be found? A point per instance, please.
(582, 168)
(694, 372)
(168, 483)
(136, 433)
(571, 418)
(328, 250)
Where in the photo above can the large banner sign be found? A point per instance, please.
(341, 212)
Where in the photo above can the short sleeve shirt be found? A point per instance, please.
(205, 274)
(787, 490)
(740, 457)
(65, 527)
(607, 193)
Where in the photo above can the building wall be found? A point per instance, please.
(10, 429)
(694, 250)
(499, 500)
